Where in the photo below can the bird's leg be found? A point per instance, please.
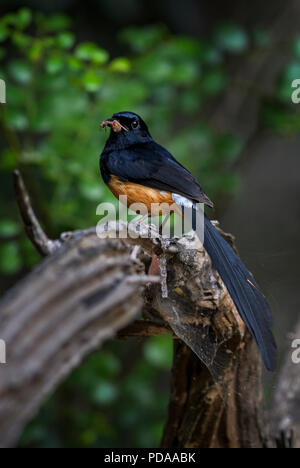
(154, 269)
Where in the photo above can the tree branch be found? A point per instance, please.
(37, 236)
(144, 328)
(75, 299)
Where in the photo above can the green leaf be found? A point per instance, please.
(292, 72)
(190, 101)
(158, 351)
(91, 81)
(213, 56)
(105, 364)
(228, 147)
(105, 393)
(36, 50)
(21, 71)
(65, 40)
(9, 19)
(281, 120)
(232, 38)
(141, 39)
(120, 64)
(229, 183)
(16, 119)
(91, 190)
(2, 53)
(261, 37)
(54, 63)
(213, 82)
(29, 254)
(47, 42)
(185, 73)
(23, 18)
(91, 52)
(10, 261)
(100, 57)
(21, 40)
(9, 228)
(154, 68)
(8, 160)
(3, 32)
(53, 23)
(187, 47)
(74, 63)
(296, 47)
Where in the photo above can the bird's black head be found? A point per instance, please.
(126, 129)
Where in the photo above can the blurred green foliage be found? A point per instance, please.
(118, 398)
(278, 112)
(58, 92)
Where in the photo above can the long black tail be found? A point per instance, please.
(244, 291)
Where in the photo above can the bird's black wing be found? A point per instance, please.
(244, 291)
(153, 166)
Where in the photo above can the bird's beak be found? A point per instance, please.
(113, 124)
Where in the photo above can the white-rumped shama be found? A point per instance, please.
(133, 164)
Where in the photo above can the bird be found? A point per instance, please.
(132, 163)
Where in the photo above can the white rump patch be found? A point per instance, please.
(182, 201)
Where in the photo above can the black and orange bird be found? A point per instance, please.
(133, 164)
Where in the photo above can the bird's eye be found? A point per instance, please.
(135, 124)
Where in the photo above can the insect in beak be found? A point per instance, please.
(114, 125)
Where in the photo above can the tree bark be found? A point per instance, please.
(200, 416)
(221, 406)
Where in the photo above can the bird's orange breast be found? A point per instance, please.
(150, 197)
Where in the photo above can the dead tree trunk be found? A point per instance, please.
(88, 289)
(220, 410)
(200, 417)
